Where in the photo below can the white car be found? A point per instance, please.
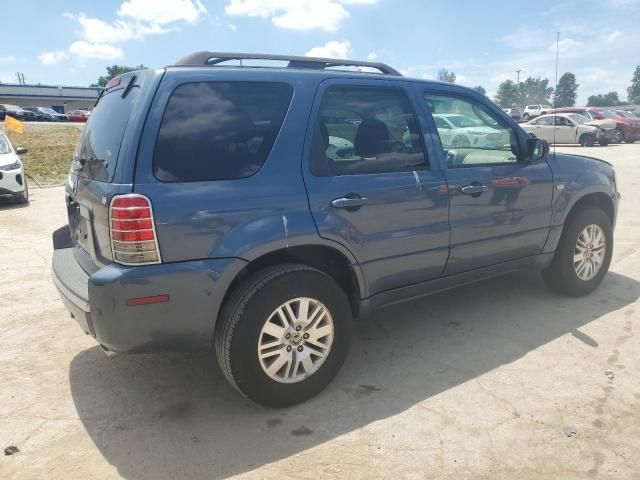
(533, 111)
(460, 131)
(12, 179)
(571, 128)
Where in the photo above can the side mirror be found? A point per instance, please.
(21, 150)
(537, 149)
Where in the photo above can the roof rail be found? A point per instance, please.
(200, 59)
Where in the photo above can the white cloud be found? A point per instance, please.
(100, 51)
(565, 45)
(372, 56)
(49, 58)
(297, 14)
(331, 49)
(232, 27)
(614, 36)
(8, 59)
(162, 12)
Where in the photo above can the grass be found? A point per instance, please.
(50, 147)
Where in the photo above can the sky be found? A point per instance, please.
(69, 42)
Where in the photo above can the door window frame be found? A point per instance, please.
(432, 161)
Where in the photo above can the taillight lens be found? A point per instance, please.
(133, 233)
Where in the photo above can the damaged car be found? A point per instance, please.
(571, 128)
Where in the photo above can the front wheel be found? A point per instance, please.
(23, 196)
(583, 254)
(587, 140)
(284, 334)
(618, 136)
(526, 117)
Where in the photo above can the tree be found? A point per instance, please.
(114, 71)
(604, 100)
(480, 89)
(567, 91)
(633, 92)
(534, 90)
(445, 75)
(508, 94)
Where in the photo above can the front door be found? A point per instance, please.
(500, 207)
(370, 183)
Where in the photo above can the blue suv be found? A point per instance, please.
(256, 210)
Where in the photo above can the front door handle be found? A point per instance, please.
(346, 202)
(474, 189)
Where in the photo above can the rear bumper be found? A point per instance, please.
(186, 322)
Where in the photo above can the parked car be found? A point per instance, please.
(457, 130)
(78, 115)
(571, 128)
(203, 217)
(513, 112)
(533, 111)
(627, 129)
(46, 114)
(15, 112)
(12, 179)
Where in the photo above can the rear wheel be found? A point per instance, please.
(583, 254)
(587, 140)
(284, 334)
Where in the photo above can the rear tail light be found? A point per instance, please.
(133, 231)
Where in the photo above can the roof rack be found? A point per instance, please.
(200, 59)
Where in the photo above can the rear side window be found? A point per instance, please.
(219, 130)
(97, 152)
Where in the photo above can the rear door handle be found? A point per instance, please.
(474, 189)
(345, 202)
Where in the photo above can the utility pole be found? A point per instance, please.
(518, 73)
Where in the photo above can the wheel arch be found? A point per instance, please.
(325, 258)
(595, 199)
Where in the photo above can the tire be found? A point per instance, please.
(249, 309)
(561, 275)
(526, 117)
(23, 196)
(618, 136)
(587, 140)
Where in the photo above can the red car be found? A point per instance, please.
(627, 129)
(78, 115)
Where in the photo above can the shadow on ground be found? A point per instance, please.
(174, 416)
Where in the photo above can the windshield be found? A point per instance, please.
(12, 108)
(460, 121)
(4, 145)
(608, 114)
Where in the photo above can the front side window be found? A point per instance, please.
(545, 121)
(478, 137)
(219, 130)
(362, 130)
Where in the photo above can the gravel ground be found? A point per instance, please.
(502, 379)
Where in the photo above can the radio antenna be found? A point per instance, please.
(555, 95)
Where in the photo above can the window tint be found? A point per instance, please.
(478, 137)
(363, 130)
(97, 152)
(219, 130)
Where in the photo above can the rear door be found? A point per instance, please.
(544, 128)
(371, 185)
(101, 168)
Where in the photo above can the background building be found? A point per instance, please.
(61, 99)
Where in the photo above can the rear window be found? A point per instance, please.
(219, 130)
(97, 152)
